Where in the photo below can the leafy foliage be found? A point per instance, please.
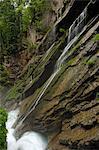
(3, 131)
(15, 18)
(8, 27)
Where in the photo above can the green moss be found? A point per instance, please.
(33, 72)
(1, 67)
(96, 37)
(62, 30)
(1, 88)
(76, 46)
(12, 94)
(71, 61)
(15, 92)
(97, 96)
(91, 62)
(4, 76)
(3, 131)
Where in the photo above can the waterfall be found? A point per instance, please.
(11, 141)
(30, 140)
(48, 51)
(63, 56)
(48, 82)
(77, 25)
(75, 31)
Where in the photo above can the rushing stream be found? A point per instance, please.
(29, 141)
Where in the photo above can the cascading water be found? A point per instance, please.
(11, 141)
(77, 25)
(30, 140)
(63, 56)
(48, 82)
(75, 31)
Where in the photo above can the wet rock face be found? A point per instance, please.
(81, 130)
(68, 111)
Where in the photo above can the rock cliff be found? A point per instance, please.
(63, 103)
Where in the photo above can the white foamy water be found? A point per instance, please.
(29, 141)
(77, 25)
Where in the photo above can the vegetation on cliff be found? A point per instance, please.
(16, 16)
(3, 131)
(70, 103)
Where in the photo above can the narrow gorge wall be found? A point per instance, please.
(58, 92)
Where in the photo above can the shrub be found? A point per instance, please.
(3, 131)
